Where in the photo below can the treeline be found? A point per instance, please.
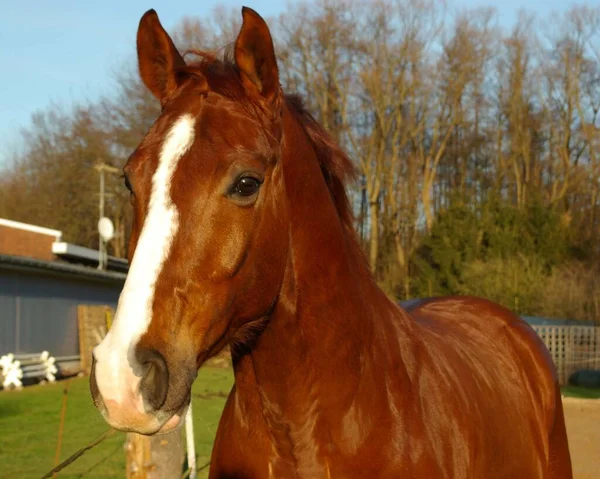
(478, 147)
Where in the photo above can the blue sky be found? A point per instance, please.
(64, 51)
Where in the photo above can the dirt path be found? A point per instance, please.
(583, 428)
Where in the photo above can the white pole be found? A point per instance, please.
(191, 448)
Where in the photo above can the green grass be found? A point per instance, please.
(29, 421)
(579, 392)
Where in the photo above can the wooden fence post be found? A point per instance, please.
(154, 457)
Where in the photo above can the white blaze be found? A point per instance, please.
(134, 311)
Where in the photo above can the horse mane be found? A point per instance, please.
(222, 77)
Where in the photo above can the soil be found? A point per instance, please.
(582, 417)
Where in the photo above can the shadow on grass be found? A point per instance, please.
(9, 409)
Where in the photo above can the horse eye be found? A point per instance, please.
(246, 186)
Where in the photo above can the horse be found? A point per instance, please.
(243, 236)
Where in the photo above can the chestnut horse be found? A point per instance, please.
(243, 236)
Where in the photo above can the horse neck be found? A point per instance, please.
(329, 312)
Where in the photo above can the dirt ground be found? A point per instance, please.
(583, 428)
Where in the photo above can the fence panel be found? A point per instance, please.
(572, 348)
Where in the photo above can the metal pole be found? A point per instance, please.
(101, 208)
(102, 250)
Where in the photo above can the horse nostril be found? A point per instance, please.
(155, 381)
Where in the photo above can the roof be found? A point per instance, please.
(45, 244)
(20, 263)
(539, 321)
(33, 228)
(73, 252)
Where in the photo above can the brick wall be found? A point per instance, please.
(18, 242)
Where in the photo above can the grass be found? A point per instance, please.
(579, 392)
(29, 421)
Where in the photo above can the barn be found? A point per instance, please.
(43, 280)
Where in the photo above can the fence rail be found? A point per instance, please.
(572, 348)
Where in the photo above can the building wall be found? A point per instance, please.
(39, 311)
(19, 242)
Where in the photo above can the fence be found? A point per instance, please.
(572, 348)
(14, 368)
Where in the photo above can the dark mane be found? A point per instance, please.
(337, 168)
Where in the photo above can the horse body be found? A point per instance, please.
(413, 408)
(243, 235)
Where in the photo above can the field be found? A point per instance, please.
(29, 423)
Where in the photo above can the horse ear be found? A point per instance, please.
(255, 56)
(157, 57)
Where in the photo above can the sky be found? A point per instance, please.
(65, 51)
